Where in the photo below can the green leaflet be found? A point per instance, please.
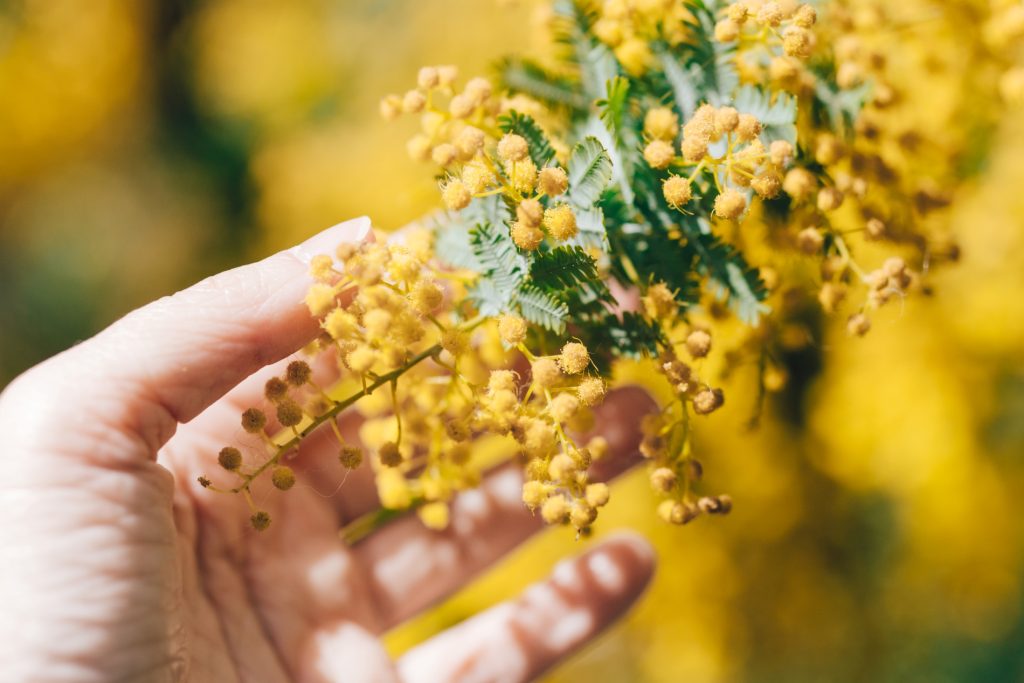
(541, 151)
(839, 108)
(563, 268)
(454, 244)
(778, 116)
(527, 77)
(709, 64)
(628, 335)
(682, 82)
(592, 232)
(590, 171)
(741, 282)
(491, 210)
(541, 308)
(616, 129)
(613, 106)
(502, 268)
(453, 247)
(597, 65)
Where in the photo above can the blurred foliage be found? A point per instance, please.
(878, 529)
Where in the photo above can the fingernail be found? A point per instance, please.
(355, 231)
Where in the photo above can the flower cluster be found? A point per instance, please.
(722, 142)
(478, 160)
(685, 165)
(413, 365)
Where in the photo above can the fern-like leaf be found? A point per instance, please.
(710, 63)
(592, 233)
(590, 171)
(502, 268)
(541, 308)
(597, 65)
(613, 106)
(529, 78)
(563, 268)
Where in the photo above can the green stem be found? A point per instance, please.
(335, 409)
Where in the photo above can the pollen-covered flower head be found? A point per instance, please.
(477, 177)
(469, 142)
(456, 195)
(677, 191)
(444, 154)
(659, 302)
(591, 391)
(413, 102)
(289, 413)
(661, 123)
(635, 55)
(530, 212)
(727, 30)
(810, 240)
(730, 204)
(574, 358)
(513, 147)
(553, 181)
(523, 175)
(545, 373)
(478, 89)
(707, 401)
(555, 509)
(747, 128)
(260, 520)
(781, 152)
(727, 119)
(350, 457)
(799, 183)
(390, 455)
(797, 42)
(563, 407)
(663, 479)
(659, 154)
(560, 221)
(501, 380)
(526, 237)
(320, 298)
(512, 329)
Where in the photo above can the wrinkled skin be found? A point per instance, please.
(115, 565)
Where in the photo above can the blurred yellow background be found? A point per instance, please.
(878, 533)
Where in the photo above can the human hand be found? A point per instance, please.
(115, 565)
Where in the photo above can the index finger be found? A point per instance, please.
(163, 364)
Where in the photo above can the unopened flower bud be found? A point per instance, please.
(663, 479)
(230, 458)
(283, 477)
(390, 455)
(708, 401)
(260, 520)
(253, 420)
(698, 343)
